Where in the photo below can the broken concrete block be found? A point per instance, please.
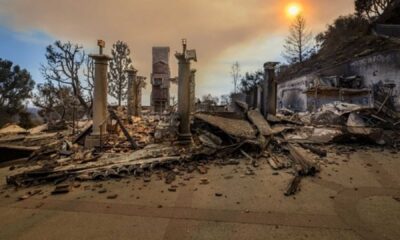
(61, 189)
(355, 120)
(234, 127)
(259, 121)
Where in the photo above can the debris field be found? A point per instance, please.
(147, 145)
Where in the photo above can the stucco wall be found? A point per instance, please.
(290, 93)
(380, 68)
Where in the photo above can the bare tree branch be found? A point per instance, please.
(235, 73)
(64, 62)
(298, 45)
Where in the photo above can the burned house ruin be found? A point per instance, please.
(366, 81)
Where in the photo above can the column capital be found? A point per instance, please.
(100, 57)
(270, 65)
(131, 70)
(181, 57)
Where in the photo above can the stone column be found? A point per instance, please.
(141, 84)
(193, 90)
(99, 98)
(132, 91)
(269, 89)
(259, 97)
(184, 135)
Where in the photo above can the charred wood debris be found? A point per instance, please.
(142, 146)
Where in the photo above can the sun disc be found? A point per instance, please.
(293, 10)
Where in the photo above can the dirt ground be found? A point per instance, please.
(355, 196)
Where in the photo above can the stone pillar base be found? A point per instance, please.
(185, 139)
(93, 141)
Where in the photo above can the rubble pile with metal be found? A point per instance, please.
(146, 145)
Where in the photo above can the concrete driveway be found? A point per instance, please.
(356, 196)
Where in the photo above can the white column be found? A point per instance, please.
(100, 94)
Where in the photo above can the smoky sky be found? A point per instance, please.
(212, 27)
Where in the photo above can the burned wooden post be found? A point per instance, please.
(269, 89)
(124, 130)
(306, 167)
(100, 97)
(293, 186)
(184, 58)
(132, 92)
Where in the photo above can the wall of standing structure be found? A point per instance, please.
(377, 71)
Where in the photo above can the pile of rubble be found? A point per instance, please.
(145, 145)
(344, 122)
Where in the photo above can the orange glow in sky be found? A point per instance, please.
(293, 9)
